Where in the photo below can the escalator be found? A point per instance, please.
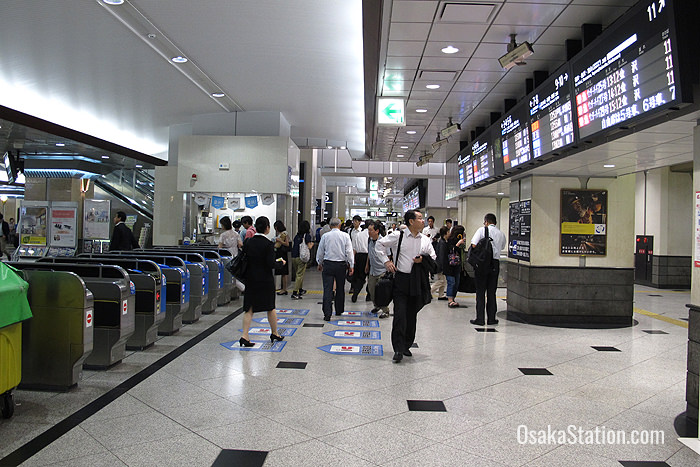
(134, 187)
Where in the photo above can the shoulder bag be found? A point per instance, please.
(384, 290)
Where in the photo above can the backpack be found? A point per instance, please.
(304, 253)
(480, 255)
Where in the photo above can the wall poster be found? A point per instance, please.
(32, 228)
(64, 226)
(96, 219)
(519, 233)
(583, 222)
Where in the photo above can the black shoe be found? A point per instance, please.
(295, 296)
(354, 298)
(407, 353)
(493, 322)
(368, 298)
(374, 311)
(442, 298)
(245, 343)
(338, 314)
(274, 338)
(302, 292)
(326, 318)
(282, 292)
(398, 356)
(476, 323)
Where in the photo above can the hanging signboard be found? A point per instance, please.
(96, 219)
(583, 222)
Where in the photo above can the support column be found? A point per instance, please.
(556, 288)
(692, 379)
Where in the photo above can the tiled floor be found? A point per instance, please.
(353, 410)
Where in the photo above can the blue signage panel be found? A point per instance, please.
(292, 311)
(266, 346)
(357, 323)
(358, 314)
(353, 349)
(284, 332)
(344, 334)
(286, 321)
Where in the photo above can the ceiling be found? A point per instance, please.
(93, 68)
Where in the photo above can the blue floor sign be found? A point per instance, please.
(284, 332)
(357, 323)
(353, 349)
(343, 334)
(266, 346)
(287, 321)
(292, 311)
(358, 314)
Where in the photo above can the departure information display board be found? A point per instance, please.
(515, 137)
(480, 164)
(629, 71)
(551, 118)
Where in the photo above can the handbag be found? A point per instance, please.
(239, 265)
(466, 283)
(304, 253)
(454, 258)
(384, 290)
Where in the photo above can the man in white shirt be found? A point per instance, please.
(431, 231)
(334, 257)
(413, 249)
(359, 239)
(487, 281)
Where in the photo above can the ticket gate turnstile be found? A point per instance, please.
(177, 280)
(113, 304)
(59, 337)
(150, 292)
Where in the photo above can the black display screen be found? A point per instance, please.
(515, 137)
(629, 72)
(480, 164)
(551, 118)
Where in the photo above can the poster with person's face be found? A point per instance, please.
(584, 217)
(96, 219)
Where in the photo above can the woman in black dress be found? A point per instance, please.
(260, 282)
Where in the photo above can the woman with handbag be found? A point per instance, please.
(281, 249)
(453, 267)
(260, 282)
(301, 254)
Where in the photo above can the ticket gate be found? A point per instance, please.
(149, 282)
(217, 273)
(114, 308)
(177, 286)
(59, 337)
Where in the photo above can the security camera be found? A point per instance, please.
(451, 129)
(516, 54)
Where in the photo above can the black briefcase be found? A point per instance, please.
(384, 291)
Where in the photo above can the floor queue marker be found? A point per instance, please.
(357, 323)
(348, 334)
(353, 349)
(284, 332)
(285, 321)
(258, 346)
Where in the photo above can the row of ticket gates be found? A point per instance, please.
(89, 309)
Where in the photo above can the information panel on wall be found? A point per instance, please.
(519, 231)
(629, 71)
(515, 137)
(551, 119)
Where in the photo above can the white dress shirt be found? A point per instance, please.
(335, 246)
(433, 233)
(411, 246)
(498, 239)
(360, 239)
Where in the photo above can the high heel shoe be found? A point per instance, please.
(274, 338)
(245, 343)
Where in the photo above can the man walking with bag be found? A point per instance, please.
(486, 276)
(375, 267)
(334, 256)
(415, 259)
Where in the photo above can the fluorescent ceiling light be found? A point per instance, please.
(421, 111)
(501, 193)
(404, 147)
(113, 2)
(138, 166)
(179, 59)
(60, 144)
(432, 86)
(411, 132)
(342, 147)
(450, 50)
(217, 94)
(400, 155)
(105, 157)
(609, 166)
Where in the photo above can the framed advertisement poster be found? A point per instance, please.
(64, 226)
(33, 225)
(583, 225)
(96, 219)
(519, 232)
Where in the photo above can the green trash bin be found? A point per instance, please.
(14, 310)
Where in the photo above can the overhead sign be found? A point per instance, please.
(391, 112)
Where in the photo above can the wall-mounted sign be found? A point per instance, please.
(96, 219)
(519, 233)
(583, 222)
(391, 112)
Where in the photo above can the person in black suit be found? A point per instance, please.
(259, 292)
(122, 236)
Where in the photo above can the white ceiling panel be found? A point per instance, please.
(426, 75)
(485, 64)
(443, 63)
(501, 34)
(481, 76)
(406, 48)
(409, 31)
(413, 12)
(427, 94)
(473, 86)
(457, 32)
(468, 12)
(528, 14)
(402, 63)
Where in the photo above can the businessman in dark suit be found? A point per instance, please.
(122, 237)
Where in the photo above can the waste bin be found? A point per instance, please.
(14, 310)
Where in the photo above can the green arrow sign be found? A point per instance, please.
(391, 112)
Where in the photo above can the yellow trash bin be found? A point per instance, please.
(10, 366)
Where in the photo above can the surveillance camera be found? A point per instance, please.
(438, 144)
(450, 130)
(516, 55)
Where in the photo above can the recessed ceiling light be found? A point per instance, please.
(432, 86)
(217, 94)
(450, 50)
(400, 155)
(138, 166)
(411, 132)
(105, 157)
(113, 2)
(609, 166)
(421, 111)
(342, 147)
(501, 193)
(404, 147)
(329, 147)
(60, 144)
(179, 59)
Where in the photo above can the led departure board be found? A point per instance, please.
(462, 160)
(515, 137)
(551, 118)
(480, 165)
(629, 72)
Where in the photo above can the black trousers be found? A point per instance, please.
(486, 283)
(403, 328)
(333, 271)
(358, 275)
